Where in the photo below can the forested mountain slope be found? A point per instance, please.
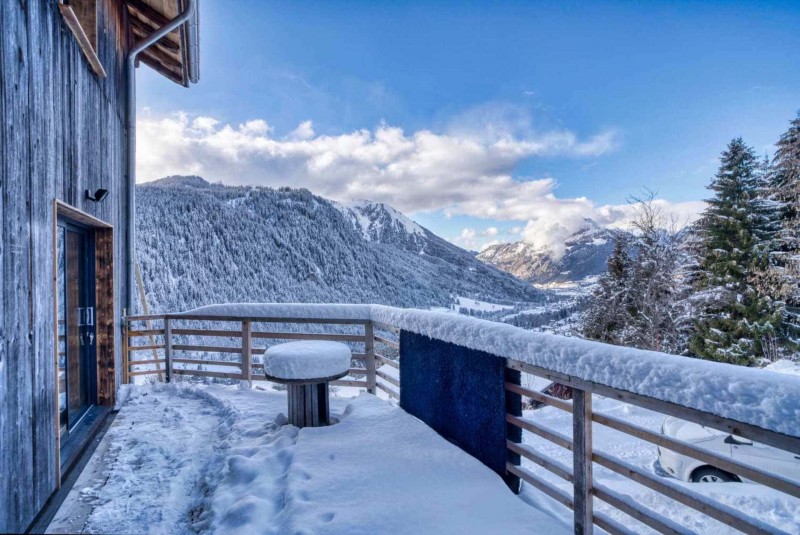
(201, 243)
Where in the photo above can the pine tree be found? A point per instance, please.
(607, 316)
(735, 318)
(784, 183)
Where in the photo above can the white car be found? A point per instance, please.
(739, 449)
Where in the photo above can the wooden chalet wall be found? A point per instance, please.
(62, 133)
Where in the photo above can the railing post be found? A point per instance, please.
(247, 352)
(582, 460)
(513, 406)
(168, 348)
(369, 351)
(126, 365)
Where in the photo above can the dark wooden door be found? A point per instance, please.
(77, 361)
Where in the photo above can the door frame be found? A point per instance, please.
(105, 309)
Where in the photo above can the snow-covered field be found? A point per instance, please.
(474, 305)
(186, 458)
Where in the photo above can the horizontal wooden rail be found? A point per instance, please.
(205, 373)
(146, 332)
(208, 332)
(347, 382)
(147, 347)
(552, 491)
(538, 396)
(142, 372)
(153, 317)
(388, 378)
(389, 362)
(388, 390)
(647, 517)
(206, 362)
(547, 434)
(532, 455)
(385, 327)
(207, 349)
(309, 336)
(386, 341)
(142, 362)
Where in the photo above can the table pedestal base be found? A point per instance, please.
(308, 404)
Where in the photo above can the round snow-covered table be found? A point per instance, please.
(306, 368)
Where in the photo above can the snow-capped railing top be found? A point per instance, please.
(299, 311)
(757, 397)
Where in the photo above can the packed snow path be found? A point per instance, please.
(187, 459)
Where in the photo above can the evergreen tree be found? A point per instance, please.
(606, 318)
(784, 183)
(736, 320)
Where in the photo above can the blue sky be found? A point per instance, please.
(581, 104)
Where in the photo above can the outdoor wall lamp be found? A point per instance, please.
(98, 196)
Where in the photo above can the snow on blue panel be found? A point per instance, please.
(460, 393)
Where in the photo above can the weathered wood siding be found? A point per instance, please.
(62, 132)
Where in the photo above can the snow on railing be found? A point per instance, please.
(755, 404)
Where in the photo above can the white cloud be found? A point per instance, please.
(463, 171)
(415, 171)
(304, 131)
(475, 240)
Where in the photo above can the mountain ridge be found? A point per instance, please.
(586, 254)
(202, 243)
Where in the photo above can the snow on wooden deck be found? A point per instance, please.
(186, 459)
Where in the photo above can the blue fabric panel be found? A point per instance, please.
(460, 393)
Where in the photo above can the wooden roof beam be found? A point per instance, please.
(147, 11)
(142, 28)
(159, 67)
(164, 58)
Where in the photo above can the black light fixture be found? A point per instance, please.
(98, 196)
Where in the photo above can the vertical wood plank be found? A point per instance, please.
(105, 322)
(16, 443)
(314, 391)
(168, 347)
(582, 460)
(369, 351)
(513, 406)
(126, 366)
(308, 408)
(56, 418)
(247, 352)
(42, 327)
(5, 177)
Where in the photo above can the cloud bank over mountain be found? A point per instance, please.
(459, 171)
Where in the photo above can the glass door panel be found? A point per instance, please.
(77, 357)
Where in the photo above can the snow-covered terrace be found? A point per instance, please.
(184, 456)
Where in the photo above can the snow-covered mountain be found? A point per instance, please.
(381, 223)
(201, 243)
(586, 254)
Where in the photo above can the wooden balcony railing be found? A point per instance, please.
(377, 357)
